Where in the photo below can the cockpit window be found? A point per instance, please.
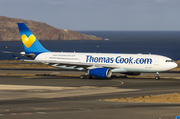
(169, 61)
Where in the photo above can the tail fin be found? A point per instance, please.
(31, 44)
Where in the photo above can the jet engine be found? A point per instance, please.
(100, 72)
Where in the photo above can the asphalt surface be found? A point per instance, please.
(44, 97)
(54, 71)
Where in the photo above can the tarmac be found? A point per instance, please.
(53, 71)
(51, 96)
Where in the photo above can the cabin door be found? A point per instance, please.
(156, 62)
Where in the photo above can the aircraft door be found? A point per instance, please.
(79, 58)
(156, 62)
(47, 58)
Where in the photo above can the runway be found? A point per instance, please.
(54, 71)
(44, 97)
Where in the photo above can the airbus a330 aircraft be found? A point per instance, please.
(94, 64)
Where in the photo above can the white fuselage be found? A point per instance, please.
(117, 62)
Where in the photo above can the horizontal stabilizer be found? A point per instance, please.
(16, 58)
(27, 55)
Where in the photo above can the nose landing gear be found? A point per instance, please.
(157, 76)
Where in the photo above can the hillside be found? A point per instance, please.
(9, 31)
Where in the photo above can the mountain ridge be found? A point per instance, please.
(9, 31)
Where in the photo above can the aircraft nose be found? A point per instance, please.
(175, 65)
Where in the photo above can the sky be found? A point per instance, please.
(95, 15)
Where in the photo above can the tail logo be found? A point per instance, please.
(28, 41)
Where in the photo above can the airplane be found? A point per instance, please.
(100, 65)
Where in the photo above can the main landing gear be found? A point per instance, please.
(157, 76)
(85, 77)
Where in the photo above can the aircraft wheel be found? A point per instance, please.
(157, 77)
(82, 77)
(90, 77)
(85, 77)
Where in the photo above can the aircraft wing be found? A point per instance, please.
(76, 64)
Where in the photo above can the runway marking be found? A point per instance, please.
(30, 77)
(13, 113)
(44, 88)
(97, 108)
(32, 91)
(27, 87)
(26, 113)
(41, 112)
(167, 90)
(117, 84)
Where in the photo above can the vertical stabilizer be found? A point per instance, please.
(30, 42)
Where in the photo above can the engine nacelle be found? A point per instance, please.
(100, 72)
(132, 73)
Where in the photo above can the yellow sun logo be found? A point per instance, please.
(28, 41)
